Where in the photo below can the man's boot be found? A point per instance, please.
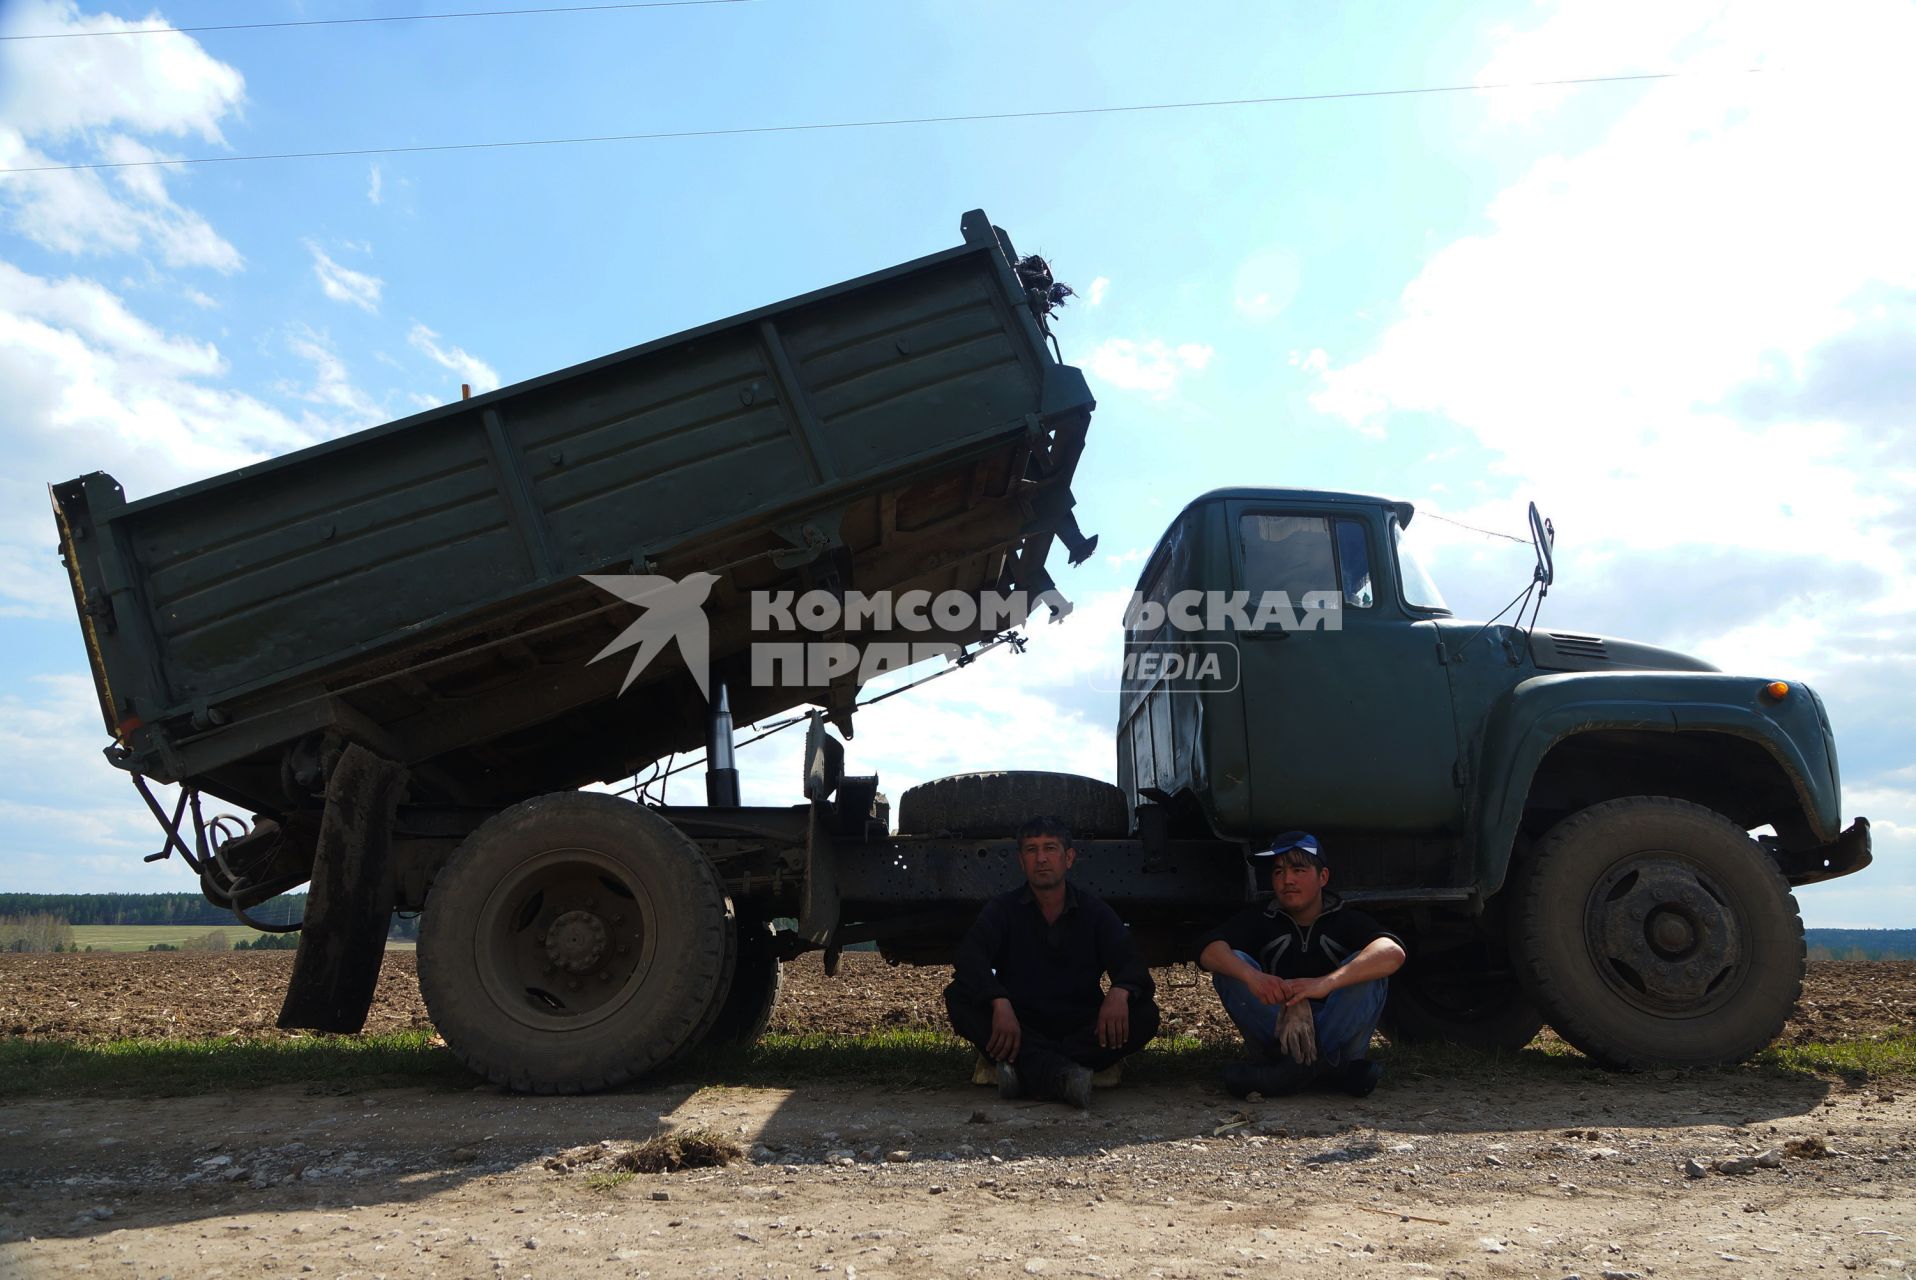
(1076, 1088)
(1009, 1086)
(1272, 1079)
(1358, 1077)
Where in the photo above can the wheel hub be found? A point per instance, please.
(576, 941)
(1663, 935)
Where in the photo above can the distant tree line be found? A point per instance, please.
(145, 908)
(1861, 944)
(170, 909)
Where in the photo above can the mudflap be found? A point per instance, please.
(349, 904)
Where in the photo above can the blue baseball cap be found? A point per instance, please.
(1292, 842)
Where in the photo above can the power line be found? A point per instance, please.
(346, 22)
(1488, 533)
(897, 122)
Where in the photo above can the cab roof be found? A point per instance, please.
(1306, 497)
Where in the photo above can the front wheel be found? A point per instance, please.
(572, 943)
(1655, 932)
(1465, 1001)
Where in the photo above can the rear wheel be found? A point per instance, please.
(994, 805)
(572, 943)
(756, 981)
(1653, 931)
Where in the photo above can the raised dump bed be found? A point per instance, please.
(417, 587)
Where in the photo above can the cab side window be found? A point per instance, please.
(1300, 554)
(1353, 564)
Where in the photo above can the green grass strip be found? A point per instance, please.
(897, 1058)
(1852, 1059)
(175, 1067)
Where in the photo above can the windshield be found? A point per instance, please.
(1420, 590)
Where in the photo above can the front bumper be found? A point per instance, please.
(1848, 853)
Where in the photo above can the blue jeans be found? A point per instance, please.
(1344, 1019)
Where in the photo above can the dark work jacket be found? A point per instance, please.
(1051, 973)
(1290, 950)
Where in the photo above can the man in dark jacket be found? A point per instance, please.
(1028, 985)
(1303, 979)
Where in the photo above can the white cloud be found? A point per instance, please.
(79, 212)
(1265, 284)
(343, 284)
(71, 823)
(59, 89)
(1152, 366)
(375, 188)
(1095, 294)
(469, 367)
(89, 384)
(84, 100)
(1622, 295)
(332, 384)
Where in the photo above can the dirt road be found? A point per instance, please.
(1576, 1173)
(1551, 1170)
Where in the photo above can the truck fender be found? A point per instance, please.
(1528, 722)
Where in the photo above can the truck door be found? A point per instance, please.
(1348, 724)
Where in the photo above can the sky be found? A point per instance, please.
(1679, 314)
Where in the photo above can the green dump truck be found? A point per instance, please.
(404, 653)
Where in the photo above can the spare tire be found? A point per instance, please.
(995, 805)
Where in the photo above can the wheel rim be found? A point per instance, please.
(565, 939)
(1664, 935)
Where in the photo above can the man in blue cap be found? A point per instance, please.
(1303, 978)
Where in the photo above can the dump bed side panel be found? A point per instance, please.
(257, 588)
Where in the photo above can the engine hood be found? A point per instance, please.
(1569, 651)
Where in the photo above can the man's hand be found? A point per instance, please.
(1006, 1034)
(1268, 988)
(1297, 990)
(1114, 1019)
(1297, 1034)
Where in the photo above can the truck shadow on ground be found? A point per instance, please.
(148, 1162)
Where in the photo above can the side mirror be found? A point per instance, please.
(1543, 536)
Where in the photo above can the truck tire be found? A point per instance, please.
(995, 805)
(1655, 932)
(721, 992)
(572, 943)
(756, 982)
(1489, 1014)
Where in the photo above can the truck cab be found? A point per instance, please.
(1289, 665)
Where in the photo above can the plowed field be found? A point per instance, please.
(187, 994)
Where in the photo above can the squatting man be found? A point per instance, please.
(1304, 979)
(1028, 989)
